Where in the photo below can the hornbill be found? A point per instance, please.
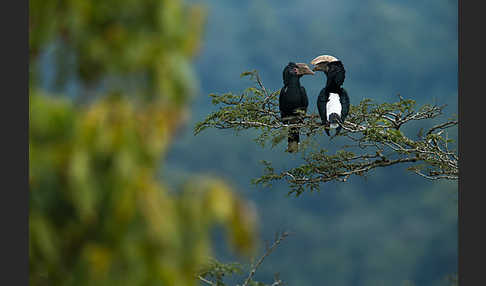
(293, 100)
(333, 100)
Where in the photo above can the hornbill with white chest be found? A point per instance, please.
(293, 100)
(333, 100)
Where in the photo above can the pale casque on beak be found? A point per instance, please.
(321, 62)
(303, 69)
(321, 67)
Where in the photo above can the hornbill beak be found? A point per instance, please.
(303, 69)
(321, 67)
(321, 62)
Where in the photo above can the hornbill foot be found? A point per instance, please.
(326, 128)
(327, 131)
(338, 130)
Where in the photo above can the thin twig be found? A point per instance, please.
(205, 280)
(267, 253)
(443, 126)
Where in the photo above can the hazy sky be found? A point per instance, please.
(387, 47)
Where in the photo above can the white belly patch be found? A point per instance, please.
(333, 105)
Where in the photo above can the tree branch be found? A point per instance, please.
(268, 251)
(205, 280)
(373, 128)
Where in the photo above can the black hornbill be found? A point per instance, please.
(333, 100)
(293, 100)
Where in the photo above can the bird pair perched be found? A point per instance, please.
(332, 102)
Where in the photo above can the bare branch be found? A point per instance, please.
(443, 126)
(205, 280)
(253, 270)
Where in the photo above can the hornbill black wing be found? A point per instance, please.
(283, 93)
(344, 99)
(286, 115)
(321, 107)
(305, 100)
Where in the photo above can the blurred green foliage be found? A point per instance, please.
(98, 214)
(153, 40)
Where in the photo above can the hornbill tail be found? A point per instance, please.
(334, 118)
(293, 140)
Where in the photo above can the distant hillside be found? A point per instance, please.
(384, 230)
